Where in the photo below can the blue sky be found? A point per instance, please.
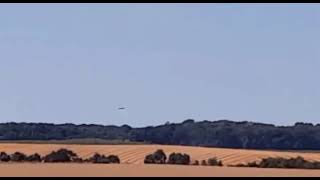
(78, 63)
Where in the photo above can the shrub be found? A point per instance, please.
(98, 158)
(34, 158)
(114, 159)
(18, 157)
(68, 152)
(297, 163)
(4, 157)
(214, 162)
(149, 159)
(158, 157)
(178, 158)
(102, 159)
(62, 155)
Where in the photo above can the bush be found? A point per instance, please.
(114, 159)
(214, 162)
(297, 163)
(34, 158)
(149, 159)
(102, 159)
(159, 157)
(68, 152)
(178, 158)
(99, 159)
(62, 155)
(4, 157)
(18, 157)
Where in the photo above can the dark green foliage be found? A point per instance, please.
(34, 158)
(149, 159)
(99, 159)
(114, 159)
(292, 163)
(159, 157)
(4, 157)
(102, 159)
(70, 153)
(62, 155)
(223, 133)
(214, 162)
(179, 159)
(18, 157)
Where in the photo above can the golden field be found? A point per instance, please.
(132, 157)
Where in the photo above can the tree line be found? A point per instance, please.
(223, 133)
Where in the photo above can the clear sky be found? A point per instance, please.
(164, 62)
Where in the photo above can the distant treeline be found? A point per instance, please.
(223, 133)
(86, 141)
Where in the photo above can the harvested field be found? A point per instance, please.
(132, 157)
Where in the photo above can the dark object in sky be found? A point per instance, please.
(121, 108)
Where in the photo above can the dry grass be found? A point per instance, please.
(93, 170)
(135, 154)
(132, 157)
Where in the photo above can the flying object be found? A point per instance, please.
(121, 108)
